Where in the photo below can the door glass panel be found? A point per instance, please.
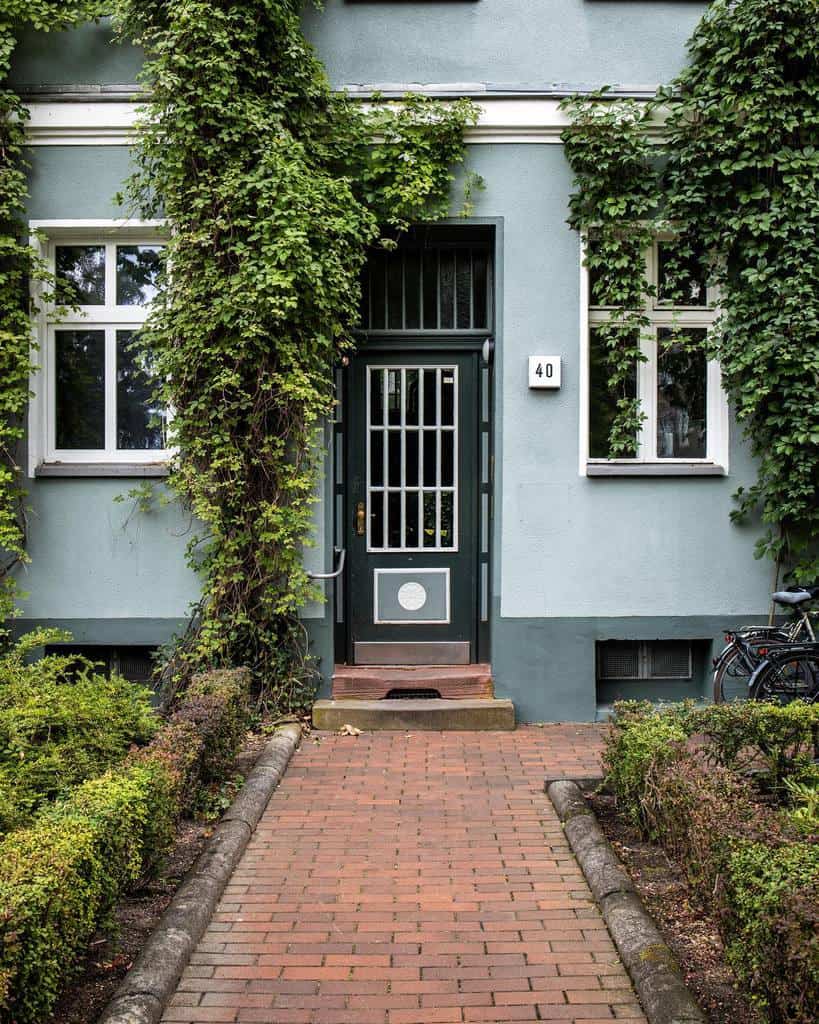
(447, 518)
(447, 398)
(377, 519)
(479, 289)
(412, 407)
(430, 458)
(429, 520)
(394, 458)
(430, 397)
(681, 387)
(415, 457)
(394, 519)
(393, 396)
(377, 458)
(411, 499)
(447, 458)
(411, 442)
(377, 397)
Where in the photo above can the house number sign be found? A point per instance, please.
(544, 371)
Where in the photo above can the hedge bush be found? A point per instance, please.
(60, 876)
(61, 722)
(710, 785)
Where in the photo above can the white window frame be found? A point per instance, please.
(660, 315)
(46, 235)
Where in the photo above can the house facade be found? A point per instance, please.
(466, 480)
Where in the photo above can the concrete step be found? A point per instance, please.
(416, 715)
(366, 682)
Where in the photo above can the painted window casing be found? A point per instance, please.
(663, 316)
(112, 322)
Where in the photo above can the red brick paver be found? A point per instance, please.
(412, 879)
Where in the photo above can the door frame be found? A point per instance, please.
(412, 347)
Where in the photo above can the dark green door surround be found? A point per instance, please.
(411, 506)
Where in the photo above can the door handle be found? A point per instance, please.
(341, 554)
(360, 519)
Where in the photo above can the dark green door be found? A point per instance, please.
(412, 517)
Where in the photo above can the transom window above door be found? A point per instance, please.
(434, 287)
(95, 386)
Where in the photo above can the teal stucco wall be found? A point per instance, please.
(574, 559)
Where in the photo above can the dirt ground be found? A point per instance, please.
(112, 951)
(687, 928)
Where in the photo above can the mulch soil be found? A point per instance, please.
(112, 951)
(686, 925)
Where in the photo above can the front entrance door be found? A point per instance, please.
(412, 507)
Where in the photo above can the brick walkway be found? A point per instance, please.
(412, 879)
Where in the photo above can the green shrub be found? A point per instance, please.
(640, 737)
(778, 739)
(701, 781)
(61, 723)
(216, 702)
(772, 906)
(60, 876)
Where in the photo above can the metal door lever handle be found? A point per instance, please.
(341, 555)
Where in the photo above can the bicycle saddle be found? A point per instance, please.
(796, 596)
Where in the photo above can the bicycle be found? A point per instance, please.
(748, 647)
(789, 672)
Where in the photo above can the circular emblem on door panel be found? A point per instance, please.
(412, 597)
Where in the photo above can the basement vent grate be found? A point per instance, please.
(407, 694)
(644, 659)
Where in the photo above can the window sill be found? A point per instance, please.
(654, 469)
(102, 469)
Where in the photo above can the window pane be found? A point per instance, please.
(80, 389)
(680, 277)
(602, 401)
(80, 274)
(137, 273)
(463, 288)
(447, 271)
(681, 385)
(140, 418)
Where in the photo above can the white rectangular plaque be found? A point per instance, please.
(544, 371)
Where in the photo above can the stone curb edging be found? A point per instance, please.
(149, 985)
(656, 976)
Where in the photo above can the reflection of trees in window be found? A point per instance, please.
(80, 389)
(138, 269)
(681, 275)
(602, 399)
(681, 387)
(80, 271)
(140, 417)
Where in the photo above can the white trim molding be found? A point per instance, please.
(502, 119)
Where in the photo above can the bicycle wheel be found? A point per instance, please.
(785, 679)
(732, 676)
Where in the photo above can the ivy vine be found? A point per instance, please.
(737, 178)
(275, 192)
(19, 264)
